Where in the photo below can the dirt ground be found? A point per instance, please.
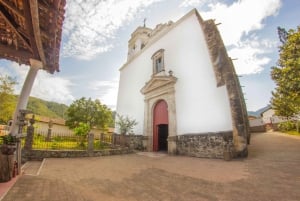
(271, 172)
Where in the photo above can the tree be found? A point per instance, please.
(7, 99)
(90, 112)
(286, 75)
(125, 124)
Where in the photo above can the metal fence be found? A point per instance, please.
(56, 141)
(60, 141)
(67, 141)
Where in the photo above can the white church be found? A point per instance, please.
(179, 84)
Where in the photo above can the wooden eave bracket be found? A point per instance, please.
(34, 10)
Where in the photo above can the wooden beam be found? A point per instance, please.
(34, 11)
(29, 29)
(13, 8)
(23, 32)
(14, 26)
(6, 50)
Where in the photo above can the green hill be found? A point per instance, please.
(258, 112)
(46, 108)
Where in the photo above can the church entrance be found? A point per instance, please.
(160, 126)
(163, 137)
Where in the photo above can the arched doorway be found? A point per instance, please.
(160, 126)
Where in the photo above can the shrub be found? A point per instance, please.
(125, 124)
(82, 130)
(287, 126)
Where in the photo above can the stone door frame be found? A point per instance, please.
(160, 88)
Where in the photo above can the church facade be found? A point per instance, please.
(180, 86)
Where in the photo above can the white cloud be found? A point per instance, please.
(241, 20)
(241, 17)
(46, 86)
(249, 58)
(107, 91)
(91, 25)
(193, 3)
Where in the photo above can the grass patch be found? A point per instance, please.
(64, 143)
(292, 133)
(100, 145)
(59, 145)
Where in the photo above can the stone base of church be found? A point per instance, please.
(202, 145)
(145, 142)
(172, 145)
(206, 145)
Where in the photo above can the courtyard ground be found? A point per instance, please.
(271, 172)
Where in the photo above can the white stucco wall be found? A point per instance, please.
(266, 115)
(256, 122)
(201, 106)
(269, 117)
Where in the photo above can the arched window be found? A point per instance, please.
(158, 61)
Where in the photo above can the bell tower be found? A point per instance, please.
(138, 40)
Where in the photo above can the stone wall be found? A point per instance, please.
(275, 126)
(132, 141)
(136, 142)
(208, 145)
(41, 154)
(225, 74)
(120, 145)
(258, 129)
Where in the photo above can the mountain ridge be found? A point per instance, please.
(258, 112)
(46, 108)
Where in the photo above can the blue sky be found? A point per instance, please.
(96, 34)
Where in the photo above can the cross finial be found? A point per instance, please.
(145, 22)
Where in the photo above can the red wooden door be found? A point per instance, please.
(160, 116)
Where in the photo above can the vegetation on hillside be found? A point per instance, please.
(47, 108)
(7, 100)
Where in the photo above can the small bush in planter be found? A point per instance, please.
(8, 147)
(9, 139)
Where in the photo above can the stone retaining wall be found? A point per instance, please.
(208, 145)
(256, 129)
(41, 154)
(132, 141)
(275, 126)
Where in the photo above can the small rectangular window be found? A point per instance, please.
(158, 61)
(158, 65)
